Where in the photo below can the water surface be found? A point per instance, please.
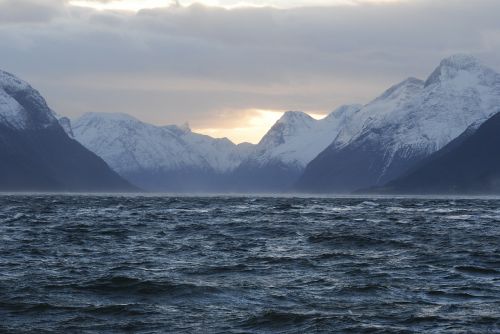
(112, 264)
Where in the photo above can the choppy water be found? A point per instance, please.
(83, 264)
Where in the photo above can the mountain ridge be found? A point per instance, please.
(279, 159)
(405, 124)
(353, 147)
(469, 164)
(155, 157)
(36, 154)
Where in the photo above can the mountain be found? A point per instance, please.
(468, 165)
(173, 158)
(283, 153)
(160, 158)
(406, 124)
(36, 154)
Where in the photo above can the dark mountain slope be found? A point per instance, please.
(468, 165)
(408, 123)
(36, 154)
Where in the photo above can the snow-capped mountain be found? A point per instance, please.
(283, 153)
(407, 123)
(37, 154)
(297, 138)
(22, 107)
(162, 158)
(470, 164)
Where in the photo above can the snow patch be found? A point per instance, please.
(21, 106)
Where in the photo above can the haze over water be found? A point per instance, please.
(137, 264)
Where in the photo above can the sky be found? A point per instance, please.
(232, 67)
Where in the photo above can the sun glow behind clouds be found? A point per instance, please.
(253, 127)
(136, 5)
(127, 5)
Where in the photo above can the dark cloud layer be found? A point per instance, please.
(175, 64)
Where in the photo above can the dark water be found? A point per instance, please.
(77, 264)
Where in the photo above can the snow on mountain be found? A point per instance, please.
(470, 164)
(65, 123)
(281, 156)
(379, 111)
(424, 117)
(297, 138)
(35, 152)
(21, 106)
(130, 146)
(408, 122)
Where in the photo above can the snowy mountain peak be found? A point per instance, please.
(185, 127)
(21, 106)
(428, 115)
(461, 61)
(106, 116)
(289, 125)
(344, 111)
(294, 117)
(178, 130)
(131, 146)
(297, 138)
(463, 67)
(404, 88)
(408, 122)
(11, 83)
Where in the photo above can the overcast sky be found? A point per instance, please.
(223, 65)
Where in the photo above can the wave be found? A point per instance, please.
(137, 286)
(477, 270)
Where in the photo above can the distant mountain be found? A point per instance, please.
(406, 124)
(160, 158)
(173, 158)
(468, 165)
(355, 147)
(36, 154)
(283, 153)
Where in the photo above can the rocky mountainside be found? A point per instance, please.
(406, 124)
(468, 165)
(36, 154)
(283, 153)
(173, 158)
(160, 158)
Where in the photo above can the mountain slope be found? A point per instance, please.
(470, 164)
(404, 125)
(160, 158)
(36, 154)
(283, 153)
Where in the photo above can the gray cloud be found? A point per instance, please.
(30, 11)
(198, 63)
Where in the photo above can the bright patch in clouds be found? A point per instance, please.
(130, 5)
(282, 3)
(136, 5)
(253, 127)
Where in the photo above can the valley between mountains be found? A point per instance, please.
(437, 135)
